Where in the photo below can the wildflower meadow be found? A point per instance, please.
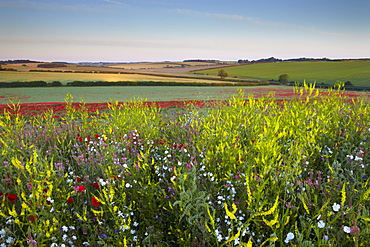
(246, 172)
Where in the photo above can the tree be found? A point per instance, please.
(222, 73)
(283, 78)
(55, 84)
(348, 84)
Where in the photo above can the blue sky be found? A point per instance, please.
(173, 30)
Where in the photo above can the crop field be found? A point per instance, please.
(248, 171)
(358, 72)
(150, 93)
(157, 65)
(11, 76)
(128, 93)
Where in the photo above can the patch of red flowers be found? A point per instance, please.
(70, 200)
(95, 202)
(32, 218)
(11, 197)
(59, 108)
(96, 185)
(80, 188)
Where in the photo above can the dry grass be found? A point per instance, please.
(159, 65)
(9, 76)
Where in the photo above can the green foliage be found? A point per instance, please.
(283, 78)
(51, 65)
(222, 73)
(55, 84)
(257, 172)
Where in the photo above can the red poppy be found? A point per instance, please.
(70, 200)
(96, 185)
(78, 179)
(11, 197)
(32, 218)
(95, 202)
(81, 188)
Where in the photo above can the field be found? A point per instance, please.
(245, 172)
(9, 76)
(128, 93)
(161, 65)
(150, 93)
(358, 72)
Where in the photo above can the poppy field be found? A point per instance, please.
(247, 171)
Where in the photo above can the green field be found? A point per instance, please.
(127, 93)
(357, 72)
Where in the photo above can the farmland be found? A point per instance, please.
(328, 72)
(9, 76)
(183, 166)
(171, 72)
(127, 93)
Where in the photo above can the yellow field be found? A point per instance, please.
(9, 76)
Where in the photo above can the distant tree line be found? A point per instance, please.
(263, 60)
(30, 84)
(201, 60)
(18, 61)
(120, 83)
(51, 65)
(302, 59)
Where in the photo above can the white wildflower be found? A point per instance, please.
(336, 207)
(9, 240)
(289, 236)
(321, 224)
(347, 229)
(2, 233)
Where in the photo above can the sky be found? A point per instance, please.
(174, 30)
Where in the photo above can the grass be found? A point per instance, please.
(253, 172)
(106, 94)
(358, 72)
(127, 93)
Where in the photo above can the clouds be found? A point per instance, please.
(66, 6)
(223, 16)
(116, 2)
(166, 29)
(256, 21)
